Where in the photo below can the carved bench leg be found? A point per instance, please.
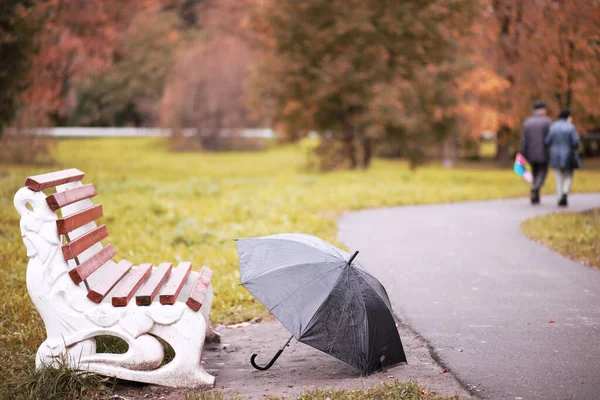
(187, 340)
(212, 336)
(52, 355)
(185, 370)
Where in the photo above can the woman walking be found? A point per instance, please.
(562, 141)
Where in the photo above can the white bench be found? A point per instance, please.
(81, 293)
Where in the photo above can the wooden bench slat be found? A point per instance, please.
(85, 269)
(72, 209)
(175, 283)
(199, 289)
(111, 277)
(148, 292)
(52, 179)
(84, 242)
(74, 221)
(132, 282)
(61, 199)
(206, 275)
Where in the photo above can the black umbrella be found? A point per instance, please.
(323, 297)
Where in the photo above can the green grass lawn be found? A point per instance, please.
(575, 235)
(162, 206)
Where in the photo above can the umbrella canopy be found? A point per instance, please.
(323, 297)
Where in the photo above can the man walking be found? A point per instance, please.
(533, 147)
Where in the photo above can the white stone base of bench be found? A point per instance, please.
(143, 359)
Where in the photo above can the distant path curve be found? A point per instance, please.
(483, 295)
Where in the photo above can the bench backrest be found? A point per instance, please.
(82, 248)
(91, 263)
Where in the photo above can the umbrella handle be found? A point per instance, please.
(269, 365)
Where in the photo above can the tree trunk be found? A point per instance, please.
(449, 152)
(211, 141)
(570, 74)
(502, 140)
(412, 163)
(367, 155)
(349, 148)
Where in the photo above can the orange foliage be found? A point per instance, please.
(565, 52)
(479, 91)
(543, 49)
(79, 38)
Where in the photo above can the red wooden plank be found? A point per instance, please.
(173, 287)
(83, 242)
(61, 199)
(199, 289)
(52, 179)
(148, 292)
(197, 295)
(112, 276)
(74, 221)
(85, 269)
(132, 282)
(206, 275)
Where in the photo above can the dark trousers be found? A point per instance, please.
(539, 171)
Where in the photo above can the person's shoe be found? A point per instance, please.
(535, 197)
(563, 201)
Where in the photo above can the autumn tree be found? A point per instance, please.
(543, 49)
(360, 70)
(206, 89)
(130, 90)
(566, 34)
(79, 38)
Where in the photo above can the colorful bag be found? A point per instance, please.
(522, 168)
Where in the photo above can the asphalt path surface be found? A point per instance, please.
(509, 317)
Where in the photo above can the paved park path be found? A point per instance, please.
(463, 276)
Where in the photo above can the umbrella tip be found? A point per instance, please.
(352, 258)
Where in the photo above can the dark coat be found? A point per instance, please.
(535, 130)
(562, 141)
